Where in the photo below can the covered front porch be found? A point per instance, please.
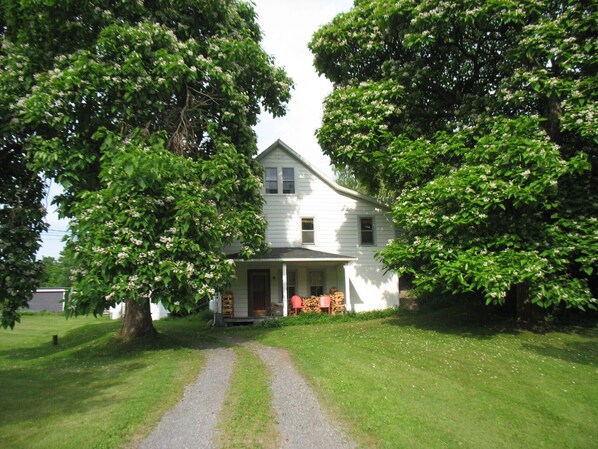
(265, 285)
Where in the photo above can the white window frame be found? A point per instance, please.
(291, 273)
(361, 231)
(310, 284)
(293, 181)
(313, 231)
(266, 180)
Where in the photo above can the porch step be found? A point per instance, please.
(244, 320)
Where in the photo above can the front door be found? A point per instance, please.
(259, 292)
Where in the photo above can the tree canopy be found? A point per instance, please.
(56, 272)
(21, 222)
(143, 112)
(481, 118)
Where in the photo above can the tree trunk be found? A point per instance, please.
(138, 320)
(554, 113)
(528, 313)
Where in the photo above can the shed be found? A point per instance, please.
(48, 299)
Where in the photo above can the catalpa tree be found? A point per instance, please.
(21, 223)
(481, 118)
(21, 192)
(143, 112)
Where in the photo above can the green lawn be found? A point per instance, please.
(431, 381)
(92, 390)
(436, 380)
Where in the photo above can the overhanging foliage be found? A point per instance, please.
(481, 118)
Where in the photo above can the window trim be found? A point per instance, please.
(266, 181)
(294, 285)
(309, 281)
(293, 182)
(313, 231)
(361, 231)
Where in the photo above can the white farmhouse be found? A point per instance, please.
(322, 236)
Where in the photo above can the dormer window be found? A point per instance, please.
(288, 180)
(271, 180)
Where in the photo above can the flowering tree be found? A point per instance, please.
(155, 230)
(21, 193)
(481, 117)
(21, 223)
(143, 111)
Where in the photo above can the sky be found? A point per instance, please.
(287, 26)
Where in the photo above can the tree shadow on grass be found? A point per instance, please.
(30, 393)
(79, 336)
(465, 320)
(171, 333)
(89, 369)
(579, 347)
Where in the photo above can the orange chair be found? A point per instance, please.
(325, 303)
(296, 303)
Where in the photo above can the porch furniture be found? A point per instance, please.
(325, 303)
(296, 303)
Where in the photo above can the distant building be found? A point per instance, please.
(48, 299)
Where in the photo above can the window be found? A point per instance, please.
(271, 180)
(307, 231)
(291, 283)
(366, 230)
(288, 180)
(316, 283)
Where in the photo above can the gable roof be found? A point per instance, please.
(339, 189)
(294, 254)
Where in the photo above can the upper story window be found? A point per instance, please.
(271, 180)
(307, 231)
(278, 180)
(288, 180)
(366, 230)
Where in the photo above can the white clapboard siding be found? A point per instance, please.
(336, 212)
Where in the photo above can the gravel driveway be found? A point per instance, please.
(192, 423)
(297, 407)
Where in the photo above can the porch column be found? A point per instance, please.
(285, 301)
(348, 306)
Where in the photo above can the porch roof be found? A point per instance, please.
(295, 254)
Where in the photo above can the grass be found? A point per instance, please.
(247, 420)
(436, 380)
(323, 318)
(92, 390)
(444, 380)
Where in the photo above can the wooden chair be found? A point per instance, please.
(296, 303)
(325, 303)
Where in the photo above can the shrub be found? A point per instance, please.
(319, 318)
